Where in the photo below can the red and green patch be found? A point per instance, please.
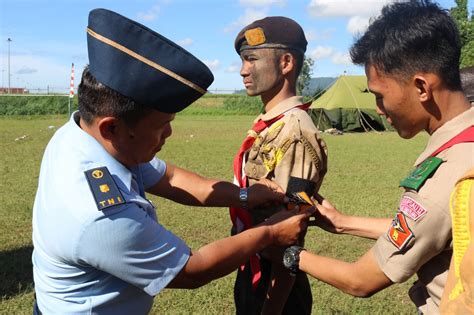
(399, 232)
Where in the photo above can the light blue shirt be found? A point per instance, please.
(90, 261)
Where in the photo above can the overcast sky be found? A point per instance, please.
(47, 36)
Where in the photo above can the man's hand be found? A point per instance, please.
(287, 226)
(265, 192)
(327, 217)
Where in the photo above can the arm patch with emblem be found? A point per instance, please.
(399, 232)
(104, 188)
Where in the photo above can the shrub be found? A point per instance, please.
(11, 105)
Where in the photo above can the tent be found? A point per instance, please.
(348, 105)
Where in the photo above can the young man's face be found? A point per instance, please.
(260, 71)
(147, 137)
(398, 102)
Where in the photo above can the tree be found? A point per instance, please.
(466, 30)
(305, 75)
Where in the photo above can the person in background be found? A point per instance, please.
(283, 146)
(467, 81)
(458, 295)
(98, 245)
(411, 56)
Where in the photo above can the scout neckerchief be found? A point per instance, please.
(241, 218)
(424, 170)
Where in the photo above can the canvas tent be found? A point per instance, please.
(348, 105)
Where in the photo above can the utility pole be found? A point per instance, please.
(9, 87)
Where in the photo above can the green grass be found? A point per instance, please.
(364, 172)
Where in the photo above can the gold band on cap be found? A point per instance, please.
(145, 60)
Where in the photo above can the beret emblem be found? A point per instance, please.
(255, 36)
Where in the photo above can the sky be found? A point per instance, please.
(48, 36)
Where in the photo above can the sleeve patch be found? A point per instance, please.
(411, 208)
(421, 173)
(399, 232)
(103, 187)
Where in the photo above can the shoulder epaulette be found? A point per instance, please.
(104, 188)
(421, 173)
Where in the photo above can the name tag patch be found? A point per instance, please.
(104, 188)
(411, 208)
(399, 232)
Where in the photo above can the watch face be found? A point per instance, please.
(288, 259)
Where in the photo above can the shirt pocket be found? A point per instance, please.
(255, 169)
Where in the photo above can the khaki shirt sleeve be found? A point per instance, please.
(427, 217)
(411, 241)
(306, 155)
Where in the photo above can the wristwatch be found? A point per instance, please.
(243, 197)
(291, 259)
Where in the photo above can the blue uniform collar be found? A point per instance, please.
(98, 156)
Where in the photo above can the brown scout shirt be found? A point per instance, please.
(291, 146)
(419, 240)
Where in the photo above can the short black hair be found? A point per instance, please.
(409, 37)
(97, 100)
(467, 81)
(299, 58)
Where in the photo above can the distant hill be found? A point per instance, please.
(316, 84)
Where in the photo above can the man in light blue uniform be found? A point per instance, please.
(84, 257)
(98, 245)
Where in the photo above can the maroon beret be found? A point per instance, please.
(272, 32)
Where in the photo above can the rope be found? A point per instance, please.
(315, 96)
(358, 109)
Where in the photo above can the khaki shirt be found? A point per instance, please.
(419, 240)
(291, 146)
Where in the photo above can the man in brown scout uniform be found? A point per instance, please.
(411, 57)
(284, 146)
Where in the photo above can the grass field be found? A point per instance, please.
(364, 172)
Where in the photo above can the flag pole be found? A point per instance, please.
(71, 91)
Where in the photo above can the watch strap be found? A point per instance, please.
(243, 198)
